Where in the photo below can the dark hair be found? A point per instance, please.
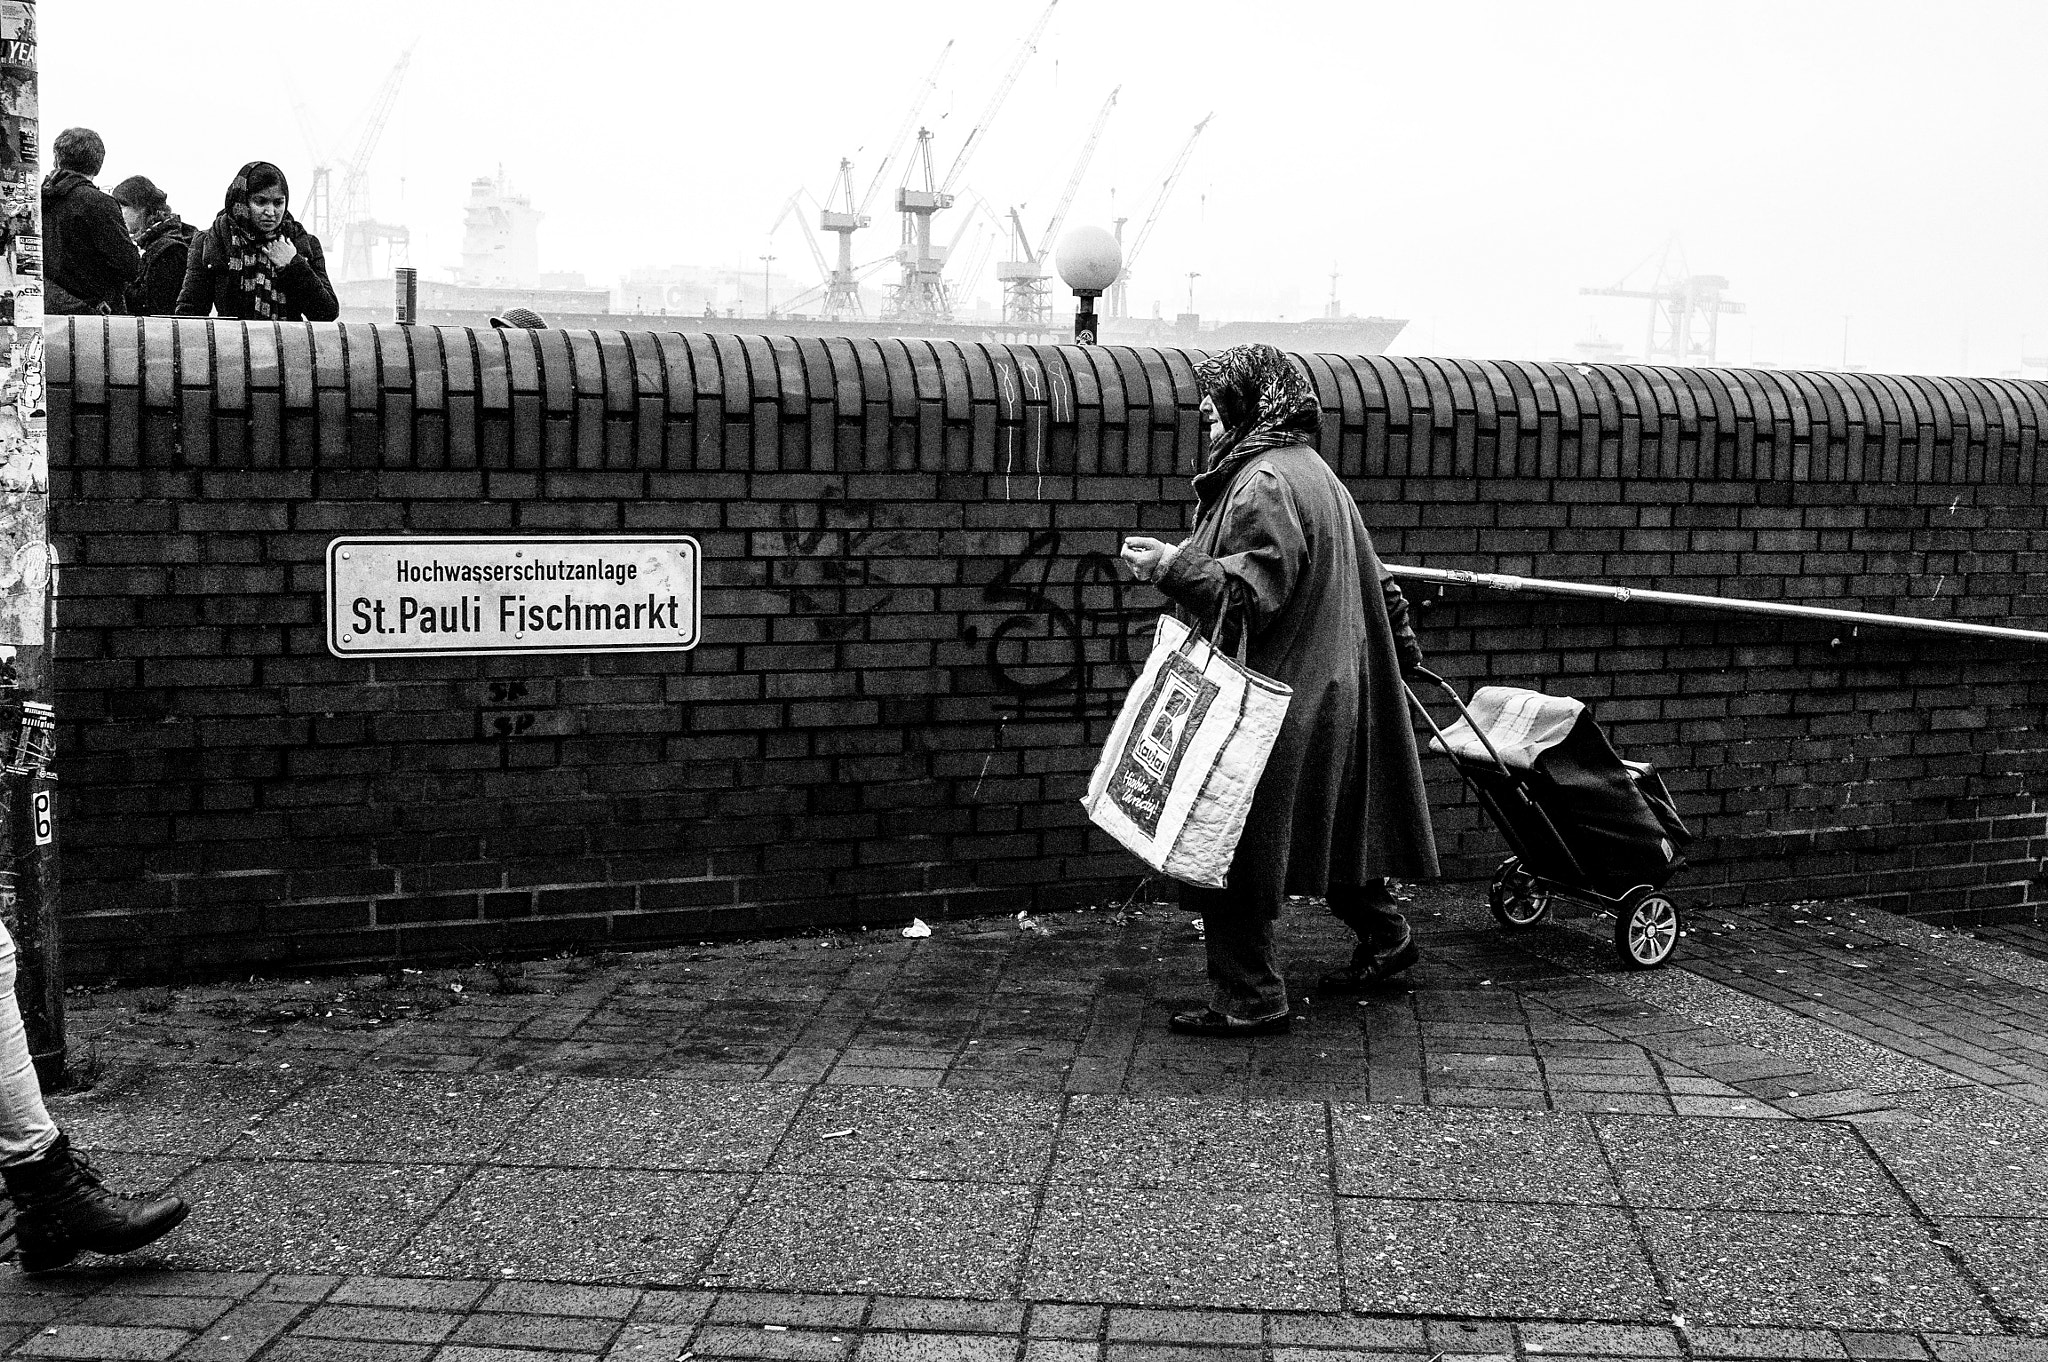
(140, 192)
(80, 149)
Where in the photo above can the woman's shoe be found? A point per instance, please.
(62, 1208)
(1372, 965)
(1210, 1022)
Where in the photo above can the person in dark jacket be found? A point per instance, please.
(1340, 807)
(88, 260)
(256, 262)
(165, 240)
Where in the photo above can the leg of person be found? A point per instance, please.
(60, 1205)
(1246, 993)
(1386, 944)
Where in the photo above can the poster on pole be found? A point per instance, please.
(24, 446)
(479, 596)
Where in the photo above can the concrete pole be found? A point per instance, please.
(28, 884)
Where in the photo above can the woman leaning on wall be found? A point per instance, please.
(256, 263)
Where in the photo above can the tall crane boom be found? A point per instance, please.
(924, 92)
(1059, 214)
(995, 101)
(358, 166)
(1165, 192)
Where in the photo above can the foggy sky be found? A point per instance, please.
(1465, 165)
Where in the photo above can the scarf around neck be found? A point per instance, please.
(255, 277)
(170, 224)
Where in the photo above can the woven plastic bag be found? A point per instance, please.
(1176, 777)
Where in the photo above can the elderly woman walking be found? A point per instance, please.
(256, 262)
(1341, 806)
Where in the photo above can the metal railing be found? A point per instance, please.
(1502, 581)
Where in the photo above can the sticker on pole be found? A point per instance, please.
(476, 596)
(39, 810)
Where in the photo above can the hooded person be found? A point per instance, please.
(256, 262)
(1280, 548)
(165, 240)
(88, 260)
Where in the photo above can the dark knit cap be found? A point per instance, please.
(139, 191)
(519, 318)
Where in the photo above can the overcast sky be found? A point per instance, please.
(1468, 166)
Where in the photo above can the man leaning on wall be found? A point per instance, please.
(88, 260)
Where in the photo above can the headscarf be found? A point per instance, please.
(255, 277)
(1262, 398)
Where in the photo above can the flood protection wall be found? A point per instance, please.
(915, 631)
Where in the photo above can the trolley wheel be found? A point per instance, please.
(1518, 898)
(1646, 929)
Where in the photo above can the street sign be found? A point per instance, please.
(481, 596)
(46, 831)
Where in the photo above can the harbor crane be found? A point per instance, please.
(360, 233)
(1119, 293)
(842, 285)
(341, 217)
(1685, 312)
(842, 216)
(1023, 276)
(920, 292)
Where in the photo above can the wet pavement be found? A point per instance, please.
(1822, 1133)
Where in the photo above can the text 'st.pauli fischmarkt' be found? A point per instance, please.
(466, 596)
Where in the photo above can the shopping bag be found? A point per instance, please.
(1176, 777)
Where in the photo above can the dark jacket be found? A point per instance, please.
(1341, 800)
(209, 288)
(86, 250)
(166, 246)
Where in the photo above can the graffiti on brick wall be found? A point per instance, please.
(807, 535)
(1072, 647)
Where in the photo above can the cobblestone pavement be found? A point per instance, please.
(1824, 1133)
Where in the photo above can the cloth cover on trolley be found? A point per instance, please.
(1616, 816)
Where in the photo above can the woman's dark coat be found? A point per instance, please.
(1342, 798)
(166, 251)
(210, 290)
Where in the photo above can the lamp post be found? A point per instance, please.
(1089, 261)
(767, 308)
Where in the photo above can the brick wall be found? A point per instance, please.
(915, 629)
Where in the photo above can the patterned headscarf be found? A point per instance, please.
(254, 275)
(1264, 400)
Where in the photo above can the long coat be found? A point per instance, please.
(209, 286)
(1342, 798)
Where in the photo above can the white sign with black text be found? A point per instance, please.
(466, 596)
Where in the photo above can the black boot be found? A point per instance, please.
(61, 1208)
(1386, 944)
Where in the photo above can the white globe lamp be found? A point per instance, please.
(1089, 261)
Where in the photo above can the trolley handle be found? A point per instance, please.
(1463, 713)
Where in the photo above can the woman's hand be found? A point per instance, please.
(1148, 558)
(281, 252)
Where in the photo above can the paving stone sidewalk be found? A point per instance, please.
(1823, 1134)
